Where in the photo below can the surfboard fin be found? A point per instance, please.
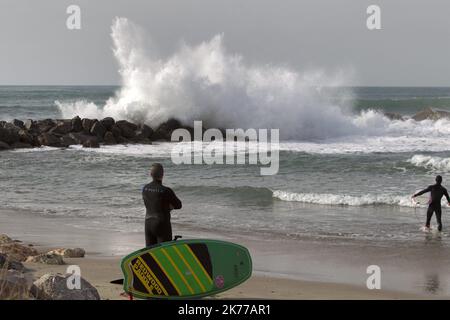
(117, 281)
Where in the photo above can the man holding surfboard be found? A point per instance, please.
(159, 200)
(434, 206)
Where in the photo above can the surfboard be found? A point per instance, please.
(185, 269)
(422, 200)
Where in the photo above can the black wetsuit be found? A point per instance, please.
(437, 192)
(159, 200)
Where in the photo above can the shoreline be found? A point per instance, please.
(283, 269)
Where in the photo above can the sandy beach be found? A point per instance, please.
(283, 269)
(99, 271)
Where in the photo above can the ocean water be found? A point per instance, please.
(353, 184)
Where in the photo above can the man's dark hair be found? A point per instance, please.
(438, 179)
(157, 171)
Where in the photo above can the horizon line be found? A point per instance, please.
(118, 85)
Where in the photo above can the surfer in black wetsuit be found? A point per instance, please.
(437, 192)
(159, 201)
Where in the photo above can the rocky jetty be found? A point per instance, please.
(90, 133)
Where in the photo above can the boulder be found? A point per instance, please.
(16, 251)
(92, 142)
(18, 123)
(116, 131)
(46, 258)
(29, 125)
(79, 138)
(13, 285)
(67, 140)
(51, 140)
(25, 137)
(9, 133)
(122, 140)
(108, 122)
(442, 114)
(4, 146)
(127, 129)
(5, 239)
(109, 138)
(430, 114)
(77, 124)
(11, 126)
(62, 127)
(98, 130)
(128, 133)
(42, 126)
(126, 124)
(87, 124)
(69, 253)
(143, 132)
(54, 287)
(8, 264)
(164, 131)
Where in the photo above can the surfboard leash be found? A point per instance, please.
(416, 203)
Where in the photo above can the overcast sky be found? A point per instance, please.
(412, 49)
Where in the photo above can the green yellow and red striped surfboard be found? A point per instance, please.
(185, 269)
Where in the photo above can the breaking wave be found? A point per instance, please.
(205, 82)
(430, 162)
(344, 200)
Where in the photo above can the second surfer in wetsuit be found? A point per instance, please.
(159, 201)
(437, 192)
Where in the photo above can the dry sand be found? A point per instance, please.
(99, 271)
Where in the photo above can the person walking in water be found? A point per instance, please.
(159, 200)
(434, 206)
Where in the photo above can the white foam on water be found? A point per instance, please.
(37, 149)
(160, 150)
(165, 149)
(369, 144)
(430, 162)
(344, 200)
(336, 146)
(205, 82)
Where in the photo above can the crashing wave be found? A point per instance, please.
(430, 162)
(344, 200)
(206, 82)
